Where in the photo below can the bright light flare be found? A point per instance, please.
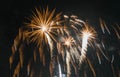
(68, 41)
(85, 37)
(44, 28)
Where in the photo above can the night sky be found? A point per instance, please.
(13, 14)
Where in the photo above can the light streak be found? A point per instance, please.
(112, 59)
(91, 66)
(117, 32)
(103, 26)
(60, 71)
(98, 58)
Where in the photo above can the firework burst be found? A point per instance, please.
(41, 30)
(58, 42)
(88, 35)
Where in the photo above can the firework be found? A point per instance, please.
(41, 30)
(88, 34)
(60, 42)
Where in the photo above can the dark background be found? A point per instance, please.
(14, 12)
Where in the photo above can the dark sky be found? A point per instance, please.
(13, 13)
